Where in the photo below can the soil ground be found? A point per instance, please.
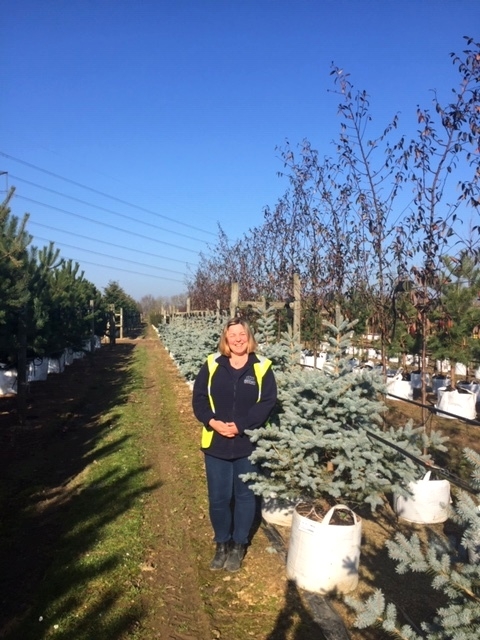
(182, 599)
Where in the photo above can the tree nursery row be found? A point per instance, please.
(383, 223)
(329, 451)
(47, 307)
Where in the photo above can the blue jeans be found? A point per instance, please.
(232, 504)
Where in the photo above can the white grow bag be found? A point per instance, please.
(323, 557)
(416, 379)
(400, 388)
(440, 381)
(57, 365)
(309, 361)
(278, 512)
(38, 369)
(462, 405)
(474, 387)
(428, 504)
(8, 381)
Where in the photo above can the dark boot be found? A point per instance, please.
(220, 556)
(235, 557)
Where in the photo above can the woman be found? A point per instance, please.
(235, 391)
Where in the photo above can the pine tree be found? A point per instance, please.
(457, 314)
(453, 575)
(15, 272)
(116, 296)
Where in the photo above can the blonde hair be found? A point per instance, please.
(223, 343)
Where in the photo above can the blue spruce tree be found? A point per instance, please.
(320, 443)
(455, 573)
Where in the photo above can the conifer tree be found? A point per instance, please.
(319, 442)
(455, 574)
(457, 313)
(15, 269)
(190, 340)
(283, 352)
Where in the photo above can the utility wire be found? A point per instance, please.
(105, 195)
(105, 224)
(111, 244)
(98, 253)
(137, 273)
(93, 206)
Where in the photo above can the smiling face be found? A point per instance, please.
(237, 340)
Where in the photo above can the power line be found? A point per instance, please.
(105, 195)
(105, 224)
(94, 206)
(137, 273)
(142, 264)
(111, 244)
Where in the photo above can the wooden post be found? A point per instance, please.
(188, 305)
(112, 326)
(296, 305)
(218, 311)
(234, 299)
(22, 379)
(92, 333)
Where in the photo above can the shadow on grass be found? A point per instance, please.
(48, 514)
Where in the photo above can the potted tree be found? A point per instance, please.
(458, 614)
(319, 451)
(457, 315)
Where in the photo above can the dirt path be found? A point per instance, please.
(187, 600)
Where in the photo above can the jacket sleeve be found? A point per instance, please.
(259, 413)
(200, 401)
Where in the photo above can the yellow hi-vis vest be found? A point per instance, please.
(260, 369)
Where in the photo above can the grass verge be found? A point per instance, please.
(95, 519)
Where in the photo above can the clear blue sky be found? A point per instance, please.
(132, 128)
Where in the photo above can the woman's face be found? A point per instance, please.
(237, 340)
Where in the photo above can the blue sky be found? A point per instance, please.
(132, 128)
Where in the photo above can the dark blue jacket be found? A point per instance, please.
(235, 400)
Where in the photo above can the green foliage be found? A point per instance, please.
(44, 300)
(318, 442)
(113, 294)
(266, 326)
(457, 314)
(284, 349)
(59, 310)
(190, 340)
(155, 318)
(15, 270)
(456, 577)
(404, 337)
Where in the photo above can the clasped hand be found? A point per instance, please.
(227, 429)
